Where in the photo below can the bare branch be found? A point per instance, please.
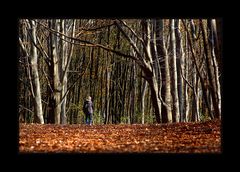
(69, 54)
(130, 40)
(185, 78)
(62, 98)
(29, 75)
(26, 108)
(97, 28)
(42, 51)
(88, 43)
(133, 32)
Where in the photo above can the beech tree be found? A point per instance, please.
(35, 83)
(176, 113)
(180, 55)
(165, 73)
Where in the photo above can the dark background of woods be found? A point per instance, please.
(112, 60)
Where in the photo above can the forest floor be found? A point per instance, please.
(204, 137)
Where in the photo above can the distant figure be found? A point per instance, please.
(88, 110)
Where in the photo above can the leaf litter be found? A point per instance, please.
(203, 137)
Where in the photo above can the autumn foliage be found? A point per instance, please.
(204, 137)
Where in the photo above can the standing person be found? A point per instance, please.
(88, 110)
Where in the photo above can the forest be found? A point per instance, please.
(137, 71)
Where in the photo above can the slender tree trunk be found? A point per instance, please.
(36, 84)
(155, 99)
(125, 92)
(195, 102)
(150, 70)
(91, 54)
(204, 86)
(145, 61)
(107, 101)
(107, 89)
(128, 112)
(101, 93)
(214, 43)
(176, 113)
(63, 62)
(210, 74)
(155, 36)
(165, 75)
(180, 56)
(55, 75)
(143, 99)
(186, 69)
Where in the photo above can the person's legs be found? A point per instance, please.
(87, 118)
(90, 119)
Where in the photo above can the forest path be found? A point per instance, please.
(202, 137)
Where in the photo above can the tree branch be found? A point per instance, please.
(129, 39)
(132, 31)
(185, 79)
(90, 44)
(62, 98)
(69, 54)
(26, 108)
(29, 75)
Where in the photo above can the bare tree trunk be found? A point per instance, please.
(101, 94)
(55, 74)
(133, 92)
(210, 71)
(215, 46)
(63, 55)
(186, 95)
(155, 99)
(143, 99)
(204, 86)
(165, 76)
(151, 72)
(36, 84)
(180, 56)
(66, 56)
(176, 113)
(145, 61)
(155, 43)
(107, 101)
(125, 104)
(195, 102)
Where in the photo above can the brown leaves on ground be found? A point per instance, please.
(137, 138)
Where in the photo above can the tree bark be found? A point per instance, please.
(165, 75)
(143, 99)
(176, 113)
(180, 56)
(195, 102)
(185, 73)
(204, 86)
(63, 62)
(36, 84)
(215, 52)
(210, 74)
(150, 70)
(54, 70)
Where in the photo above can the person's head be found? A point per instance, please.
(89, 98)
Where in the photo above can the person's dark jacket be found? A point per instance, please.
(88, 107)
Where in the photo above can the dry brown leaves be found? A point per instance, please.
(156, 138)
